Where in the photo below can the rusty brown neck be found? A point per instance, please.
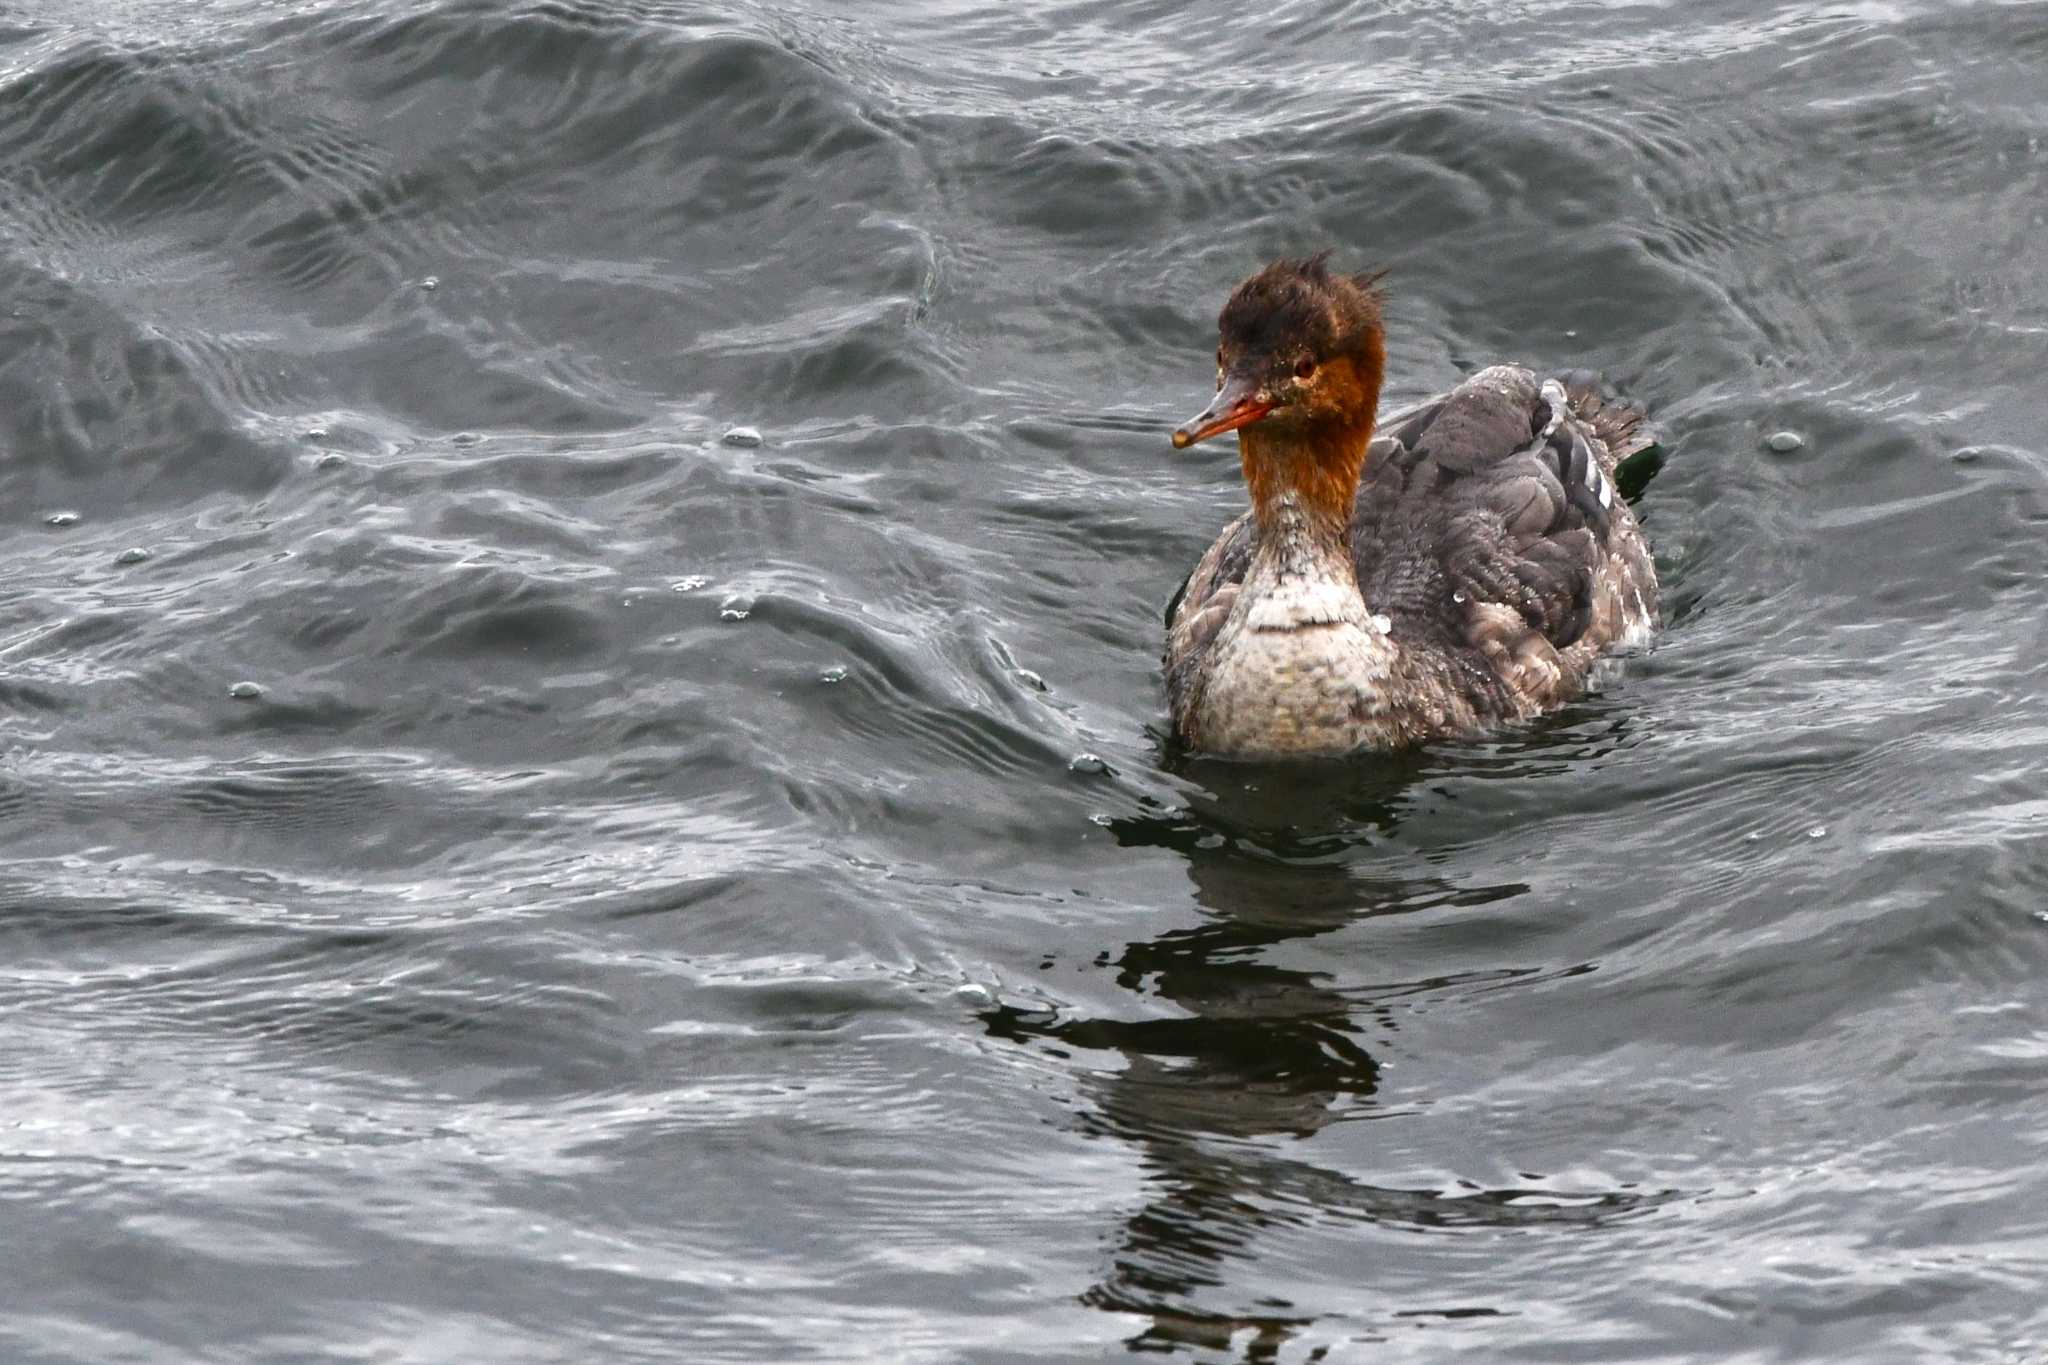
(1303, 477)
(1305, 473)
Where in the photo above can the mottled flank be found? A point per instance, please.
(1487, 563)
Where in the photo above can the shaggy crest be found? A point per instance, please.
(1302, 299)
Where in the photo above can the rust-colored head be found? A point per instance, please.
(1301, 349)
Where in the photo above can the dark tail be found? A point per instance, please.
(1622, 426)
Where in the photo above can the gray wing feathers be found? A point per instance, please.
(1492, 531)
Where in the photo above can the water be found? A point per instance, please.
(497, 868)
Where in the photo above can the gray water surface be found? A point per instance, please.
(658, 899)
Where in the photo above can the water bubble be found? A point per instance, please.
(1817, 832)
(835, 674)
(1090, 765)
(974, 993)
(689, 583)
(314, 434)
(246, 691)
(466, 438)
(1458, 595)
(1967, 455)
(60, 519)
(1784, 442)
(736, 608)
(333, 459)
(741, 436)
(1102, 818)
(1032, 680)
(134, 554)
(430, 283)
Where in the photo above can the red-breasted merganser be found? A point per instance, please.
(1473, 576)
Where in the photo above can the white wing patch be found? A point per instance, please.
(1554, 394)
(1597, 483)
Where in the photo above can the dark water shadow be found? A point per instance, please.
(1252, 1055)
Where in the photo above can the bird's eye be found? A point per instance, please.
(1304, 367)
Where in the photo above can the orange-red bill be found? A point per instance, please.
(1237, 404)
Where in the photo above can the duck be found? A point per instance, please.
(1466, 567)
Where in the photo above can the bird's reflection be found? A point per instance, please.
(1257, 1051)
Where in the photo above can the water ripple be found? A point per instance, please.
(578, 678)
